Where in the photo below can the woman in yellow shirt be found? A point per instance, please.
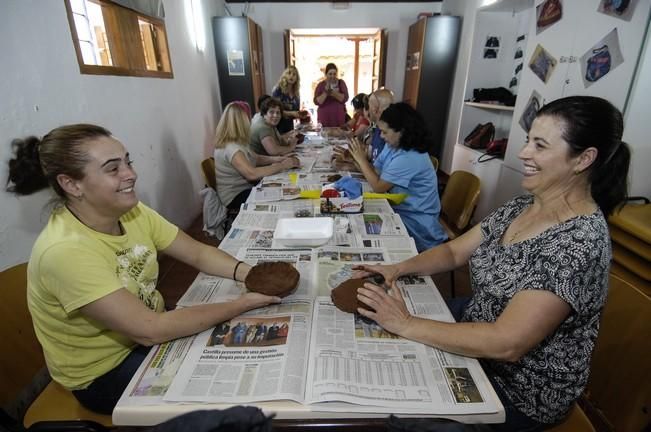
(93, 269)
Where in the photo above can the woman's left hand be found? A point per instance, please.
(390, 309)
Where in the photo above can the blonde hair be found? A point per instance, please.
(283, 85)
(233, 126)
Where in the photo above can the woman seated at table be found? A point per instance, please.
(91, 278)
(360, 122)
(287, 91)
(404, 167)
(237, 168)
(264, 138)
(539, 267)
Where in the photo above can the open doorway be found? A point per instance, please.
(358, 53)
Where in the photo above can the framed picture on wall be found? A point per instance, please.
(235, 62)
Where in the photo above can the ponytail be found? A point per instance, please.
(25, 173)
(61, 151)
(610, 179)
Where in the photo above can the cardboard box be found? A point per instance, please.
(342, 205)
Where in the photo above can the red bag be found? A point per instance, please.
(480, 136)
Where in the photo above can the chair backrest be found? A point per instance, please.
(208, 169)
(620, 375)
(460, 198)
(435, 162)
(22, 357)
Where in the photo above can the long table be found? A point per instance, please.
(332, 344)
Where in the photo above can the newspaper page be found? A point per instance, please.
(211, 289)
(302, 259)
(378, 225)
(266, 192)
(354, 360)
(154, 376)
(258, 356)
(335, 264)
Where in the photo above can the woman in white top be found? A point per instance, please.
(237, 168)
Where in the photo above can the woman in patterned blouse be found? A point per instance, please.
(538, 265)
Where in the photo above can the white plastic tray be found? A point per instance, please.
(304, 231)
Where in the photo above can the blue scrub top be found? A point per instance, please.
(412, 173)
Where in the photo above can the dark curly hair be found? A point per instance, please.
(360, 101)
(590, 121)
(401, 117)
(38, 162)
(269, 103)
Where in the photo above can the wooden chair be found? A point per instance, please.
(458, 202)
(54, 408)
(435, 162)
(457, 206)
(620, 373)
(576, 421)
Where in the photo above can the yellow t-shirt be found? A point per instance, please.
(72, 265)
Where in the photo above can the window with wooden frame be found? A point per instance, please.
(111, 39)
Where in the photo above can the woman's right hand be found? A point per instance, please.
(290, 162)
(357, 150)
(389, 272)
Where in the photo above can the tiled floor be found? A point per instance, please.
(176, 276)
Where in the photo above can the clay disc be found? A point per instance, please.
(344, 296)
(272, 278)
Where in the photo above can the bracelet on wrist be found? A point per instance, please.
(235, 270)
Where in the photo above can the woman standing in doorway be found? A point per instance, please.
(287, 90)
(330, 96)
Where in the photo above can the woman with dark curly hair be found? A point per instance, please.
(404, 166)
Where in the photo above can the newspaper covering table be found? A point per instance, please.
(303, 358)
(312, 358)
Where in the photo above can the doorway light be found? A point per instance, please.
(195, 23)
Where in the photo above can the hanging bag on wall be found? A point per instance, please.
(480, 136)
(598, 64)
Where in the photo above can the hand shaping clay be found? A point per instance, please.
(272, 278)
(344, 296)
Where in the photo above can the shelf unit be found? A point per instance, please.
(504, 21)
(489, 106)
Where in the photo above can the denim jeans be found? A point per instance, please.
(515, 420)
(103, 393)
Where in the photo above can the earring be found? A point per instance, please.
(577, 172)
(79, 197)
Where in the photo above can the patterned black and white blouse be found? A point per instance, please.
(571, 260)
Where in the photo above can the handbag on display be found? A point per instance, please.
(480, 136)
(550, 13)
(598, 64)
(495, 149)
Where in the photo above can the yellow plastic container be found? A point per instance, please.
(394, 199)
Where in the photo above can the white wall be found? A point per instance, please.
(166, 124)
(467, 10)
(637, 131)
(277, 17)
(637, 128)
